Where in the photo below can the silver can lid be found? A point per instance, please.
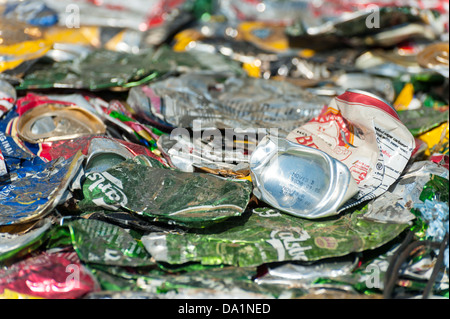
(300, 180)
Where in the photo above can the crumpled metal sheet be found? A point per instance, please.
(38, 190)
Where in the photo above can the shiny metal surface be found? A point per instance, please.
(105, 153)
(299, 180)
(51, 122)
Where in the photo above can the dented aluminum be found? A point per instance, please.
(300, 180)
(52, 122)
(36, 190)
(8, 96)
(435, 57)
(105, 153)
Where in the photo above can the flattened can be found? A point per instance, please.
(51, 275)
(52, 122)
(299, 180)
(435, 57)
(37, 190)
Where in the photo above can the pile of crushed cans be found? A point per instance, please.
(249, 149)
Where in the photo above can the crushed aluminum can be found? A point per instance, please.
(51, 122)
(220, 101)
(36, 190)
(128, 220)
(381, 86)
(365, 133)
(17, 245)
(266, 235)
(305, 274)
(136, 15)
(15, 154)
(193, 159)
(302, 181)
(280, 12)
(174, 197)
(21, 45)
(35, 13)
